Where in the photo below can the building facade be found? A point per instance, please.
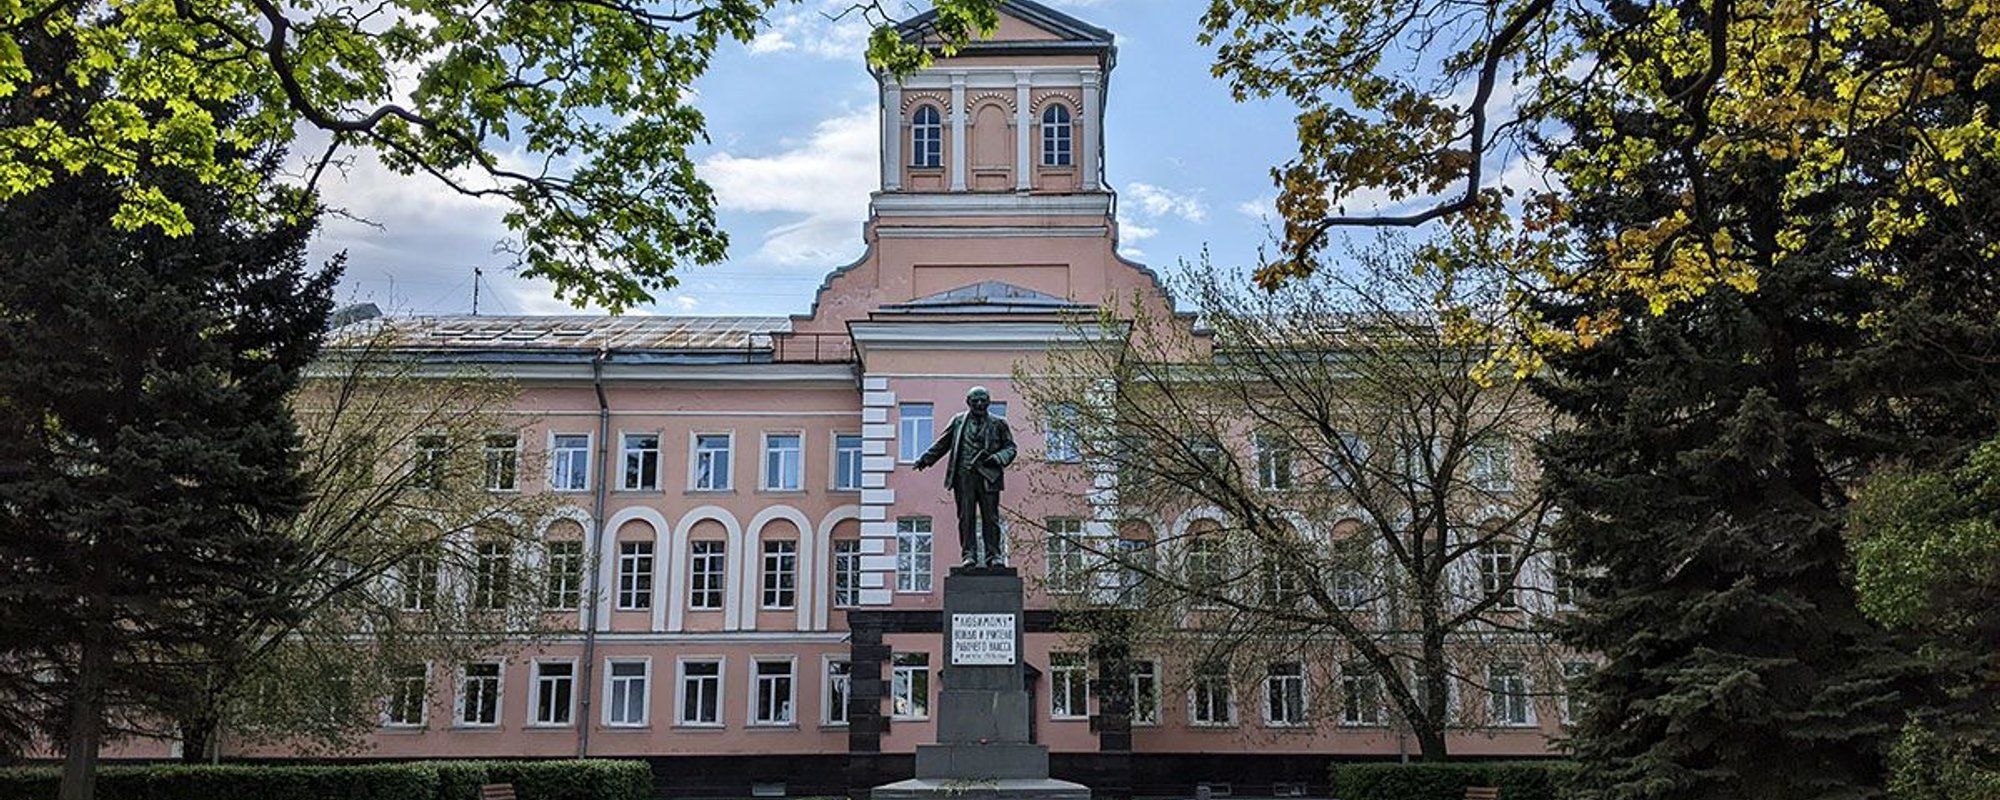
(761, 608)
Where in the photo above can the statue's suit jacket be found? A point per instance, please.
(997, 442)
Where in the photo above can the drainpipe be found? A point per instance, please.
(588, 684)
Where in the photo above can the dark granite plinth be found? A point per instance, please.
(1042, 789)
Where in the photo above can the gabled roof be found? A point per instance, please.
(1074, 33)
(987, 297)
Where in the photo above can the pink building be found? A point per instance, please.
(768, 565)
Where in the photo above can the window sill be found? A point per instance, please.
(778, 608)
(476, 727)
(723, 490)
(556, 490)
(503, 491)
(1363, 725)
(699, 726)
(783, 492)
(704, 610)
(549, 726)
(1068, 718)
(833, 726)
(845, 490)
(625, 727)
(635, 492)
(1288, 726)
(409, 729)
(772, 726)
(1212, 726)
(925, 718)
(633, 610)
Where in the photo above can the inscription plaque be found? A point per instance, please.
(982, 639)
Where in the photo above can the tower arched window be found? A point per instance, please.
(1056, 136)
(926, 138)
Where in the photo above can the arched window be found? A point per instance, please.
(926, 138)
(1055, 136)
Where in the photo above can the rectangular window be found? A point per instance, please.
(1135, 561)
(479, 694)
(419, 576)
(555, 692)
(409, 696)
(784, 462)
(1360, 696)
(1492, 465)
(913, 554)
(430, 464)
(705, 575)
(847, 461)
(1507, 688)
(1067, 571)
(910, 686)
(641, 454)
(1562, 581)
(839, 681)
(1210, 697)
(565, 564)
(1496, 573)
(1208, 570)
(627, 690)
(1145, 693)
(701, 692)
(1059, 429)
(635, 576)
(781, 574)
(1279, 582)
(1274, 461)
(1347, 465)
(503, 461)
(491, 572)
(1573, 675)
(1069, 682)
(913, 431)
(711, 462)
(846, 573)
(774, 693)
(1351, 589)
(569, 462)
(1285, 694)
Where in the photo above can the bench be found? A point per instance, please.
(496, 791)
(1482, 793)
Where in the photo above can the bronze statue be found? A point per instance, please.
(980, 447)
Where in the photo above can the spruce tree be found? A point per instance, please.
(144, 434)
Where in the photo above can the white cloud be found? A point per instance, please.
(1156, 202)
(826, 29)
(1261, 209)
(824, 179)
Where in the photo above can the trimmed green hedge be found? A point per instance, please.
(415, 780)
(1517, 780)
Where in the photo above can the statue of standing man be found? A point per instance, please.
(979, 447)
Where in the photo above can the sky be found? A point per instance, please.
(794, 153)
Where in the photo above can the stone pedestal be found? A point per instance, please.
(984, 748)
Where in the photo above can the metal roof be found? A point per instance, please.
(566, 333)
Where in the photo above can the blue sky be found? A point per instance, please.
(794, 155)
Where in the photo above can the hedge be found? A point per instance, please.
(415, 780)
(1517, 780)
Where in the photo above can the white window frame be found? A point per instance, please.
(490, 589)
(896, 684)
(632, 598)
(1562, 580)
(841, 461)
(1058, 132)
(556, 454)
(430, 580)
(828, 680)
(911, 442)
(791, 678)
(697, 453)
(423, 703)
(625, 474)
(1351, 715)
(1273, 455)
(1490, 465)
(698, 580)
(1493, 577)
(431, 462)
(923, 133)
(911, 578)
(1351, 588)
(1062, 443)
(1568, 703)
(797, 461)
(1067, 568)
(681, 690)
(537, 686)
(1072, 669)
(564, 588)
(512, 463)
(1273, 680)
(1195, 706)
(1152, 708)
(611, 681)
(787, 592)
(846, 565)
(499, 696)
(1496, 698)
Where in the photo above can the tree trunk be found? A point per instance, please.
(1430, 744)
(86, 718)
(197, 738)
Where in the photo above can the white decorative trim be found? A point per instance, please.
(805, 569)
(989, 204)
(997, 232)
(678, 570)
(822, 555)
(662, 536)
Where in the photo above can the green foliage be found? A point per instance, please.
(1925, 766)
(1523, 780)
(593, 779)
(579, 114)
(1926, 545)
